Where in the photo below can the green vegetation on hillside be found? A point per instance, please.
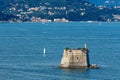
(71, 10)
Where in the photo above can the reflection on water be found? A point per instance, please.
(80, 70)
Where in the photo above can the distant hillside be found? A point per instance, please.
(56, 10)
(6, 17)
(109, 3)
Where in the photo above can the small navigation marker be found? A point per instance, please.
(44, 51)
(85, 45)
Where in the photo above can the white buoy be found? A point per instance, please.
(85, 46)
(44, 51)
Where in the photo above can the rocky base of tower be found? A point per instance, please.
(93, 66)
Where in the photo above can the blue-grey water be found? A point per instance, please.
(22, 44)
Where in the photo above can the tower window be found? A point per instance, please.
(77, 57)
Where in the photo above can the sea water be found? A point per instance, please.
(22, 44)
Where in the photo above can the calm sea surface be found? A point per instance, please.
(22, 44)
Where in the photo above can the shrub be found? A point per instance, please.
(67, 49)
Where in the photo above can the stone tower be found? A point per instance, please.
(77, 58)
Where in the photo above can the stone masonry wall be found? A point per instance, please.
(75, 59)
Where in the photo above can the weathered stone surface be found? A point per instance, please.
(75, 59)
